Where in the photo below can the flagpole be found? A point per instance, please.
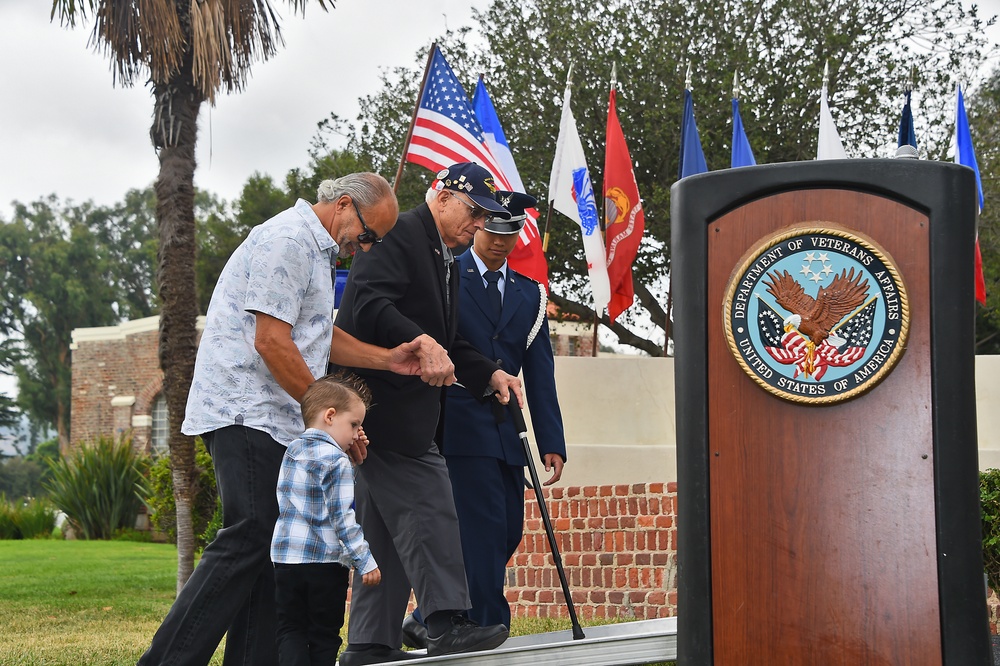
(670, 285)
(602, 219)
(413, 120)
(545, 236)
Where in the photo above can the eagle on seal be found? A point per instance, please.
(815, 318)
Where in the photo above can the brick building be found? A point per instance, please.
(117, 384)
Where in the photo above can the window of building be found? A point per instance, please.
(159, 438)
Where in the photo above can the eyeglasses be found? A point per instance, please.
(367, 236)
(478, 212)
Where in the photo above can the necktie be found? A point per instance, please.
(493, 292)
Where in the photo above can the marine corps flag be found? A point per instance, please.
(624, 220)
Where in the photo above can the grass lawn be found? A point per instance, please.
(83, 603)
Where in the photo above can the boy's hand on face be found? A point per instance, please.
(358, 450)
(372, 578)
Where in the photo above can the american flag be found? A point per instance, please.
(445, 130)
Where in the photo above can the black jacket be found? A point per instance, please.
(395, 292)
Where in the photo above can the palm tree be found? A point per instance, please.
(189, 50)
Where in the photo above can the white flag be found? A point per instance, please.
(830, 146)
(572, 194)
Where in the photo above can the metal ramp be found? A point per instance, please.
(624, 644)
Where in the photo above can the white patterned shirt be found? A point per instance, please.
(316, 523)
(284, 269)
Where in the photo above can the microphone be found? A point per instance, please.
(906, 152)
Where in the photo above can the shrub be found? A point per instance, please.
(36, 519)
(8, 525)
(163, 510)
(30, 519)
(100, 486)
(989, 497)
(132, 534)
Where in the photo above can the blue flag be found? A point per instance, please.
(742, 153)
(907, 137)
(527, 257)
(966, 154)
(692, 158)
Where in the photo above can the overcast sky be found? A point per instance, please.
(65, 130)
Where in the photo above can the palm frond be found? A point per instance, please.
(222, 38)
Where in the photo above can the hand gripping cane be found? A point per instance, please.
(522, 430)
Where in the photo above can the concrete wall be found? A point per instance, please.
(618, 412)
(988, 410)
(619, 417)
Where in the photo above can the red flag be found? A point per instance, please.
(624, 220)
(980, 279)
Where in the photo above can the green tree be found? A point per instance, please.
(187, 52)
(55, 278)
(983, 107)
(127, 234)
(779, 47)
(8, 407)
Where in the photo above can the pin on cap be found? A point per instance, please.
(476, 182)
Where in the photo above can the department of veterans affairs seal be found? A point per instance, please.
(816, 313)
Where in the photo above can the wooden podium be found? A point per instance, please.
(828, 508)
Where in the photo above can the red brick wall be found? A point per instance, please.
(124, 365)
(619, 550)
(618, 546)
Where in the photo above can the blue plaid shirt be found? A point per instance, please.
(316, 523)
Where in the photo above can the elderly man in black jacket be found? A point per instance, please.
(407, 285)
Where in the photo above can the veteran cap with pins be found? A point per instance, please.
(477, 184)
(516, 203)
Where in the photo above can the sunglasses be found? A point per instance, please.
(367, 236)
(478, 212)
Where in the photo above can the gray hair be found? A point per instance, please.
(366, 189)
(432, 192)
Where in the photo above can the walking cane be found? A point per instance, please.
(522, 430)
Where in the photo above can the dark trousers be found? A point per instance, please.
(489, 497)
(310, 602)
(406, 510)
(232, 588)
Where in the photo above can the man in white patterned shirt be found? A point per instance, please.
(317, 540)
(268, 334)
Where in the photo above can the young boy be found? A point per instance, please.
(317, 539)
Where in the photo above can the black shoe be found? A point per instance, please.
(376, 654)
(414, 633)
(466, 636)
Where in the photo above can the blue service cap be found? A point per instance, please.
(476, 182)
(515, 203)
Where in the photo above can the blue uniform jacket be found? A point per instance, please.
(470, 428)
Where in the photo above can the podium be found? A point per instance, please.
(828, 488)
